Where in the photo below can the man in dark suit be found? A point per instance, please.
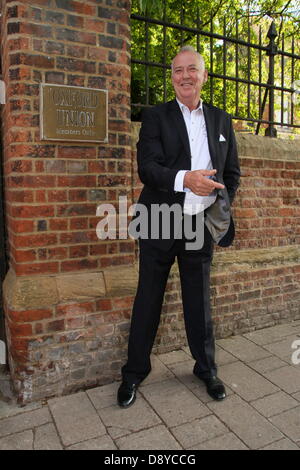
(186, 156)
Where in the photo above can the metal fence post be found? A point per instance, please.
(271, 52)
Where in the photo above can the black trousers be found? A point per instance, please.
(194, 269)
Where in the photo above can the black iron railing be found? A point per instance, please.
(252, 81)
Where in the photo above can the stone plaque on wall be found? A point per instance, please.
(72, 113)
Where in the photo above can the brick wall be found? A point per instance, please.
(267, 206)
(52, 189)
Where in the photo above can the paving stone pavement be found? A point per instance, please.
(173, 410)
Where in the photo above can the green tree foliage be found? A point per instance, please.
(247, 20)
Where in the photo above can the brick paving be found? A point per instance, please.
(173, 410)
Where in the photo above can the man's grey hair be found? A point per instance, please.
(189, 49)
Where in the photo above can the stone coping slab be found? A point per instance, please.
(252, 146)
(39, 291)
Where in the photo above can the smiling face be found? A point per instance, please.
(188, 78)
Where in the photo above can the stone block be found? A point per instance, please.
(283, 444)
(80, 286)
(99, 443)
(184, 373)
(199, 430)
(24, 421)
(174, 357)
(266, 365)
(243, 349)
(224, 357)
(105, 396)
(283, 349)
(253, 429)
(289, 423)
(246, 382)
(20, 441)
(275, 404)
(287, 378)
(22, 293)
(46, 438)
(226, 442)
(122, 280)
(159, 371)
(270, 335)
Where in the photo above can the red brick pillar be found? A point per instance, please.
(67, 294)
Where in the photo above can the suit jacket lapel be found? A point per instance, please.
(178, 120)
(211, 134)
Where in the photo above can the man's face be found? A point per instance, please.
(188, 77)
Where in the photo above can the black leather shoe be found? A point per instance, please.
(215, 388)
(126, 394)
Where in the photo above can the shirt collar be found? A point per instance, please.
(183, 106)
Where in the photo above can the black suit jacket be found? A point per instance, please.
(163, 149)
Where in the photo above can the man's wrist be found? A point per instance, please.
(178, 184)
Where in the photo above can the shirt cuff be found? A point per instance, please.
(178, 184)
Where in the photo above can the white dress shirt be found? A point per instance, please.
(196, 129)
